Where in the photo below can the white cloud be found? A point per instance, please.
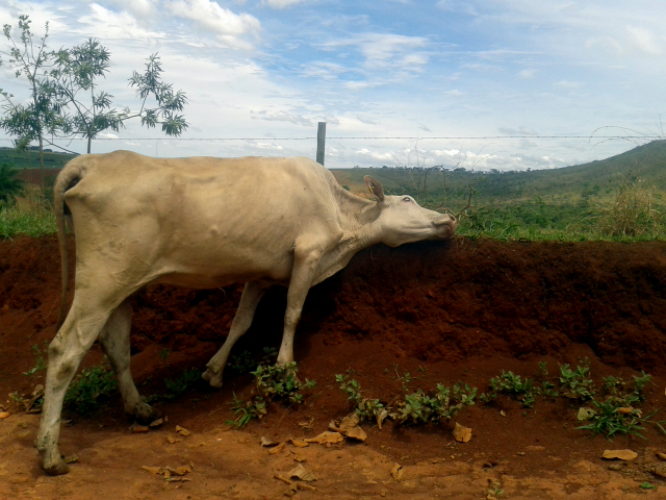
(108, 24)
(381, 50)
(644, 40)
(283, 116)
(228, 27)
(140, 8)
(527, 74)
(281, 4)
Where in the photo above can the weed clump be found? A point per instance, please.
(89, 389)
(273, 383)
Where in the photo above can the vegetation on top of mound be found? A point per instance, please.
(622, 198)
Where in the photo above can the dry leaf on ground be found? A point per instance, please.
(301, 473)
(299, 443)
(462, 434)
(182, 431)
(4, 414)
(626, 455)
(276, 449)
(397, 472)
(267, 442)
(156, 423)
(357, 433)
(661, 456)
(138, 428)
(326, 437)
(585, 413)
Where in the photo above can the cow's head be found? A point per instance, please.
(402, 220)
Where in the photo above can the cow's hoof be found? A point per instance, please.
(147, 414)
(214, 379)
(57, 468)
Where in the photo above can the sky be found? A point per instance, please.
(410, 83)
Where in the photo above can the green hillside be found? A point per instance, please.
(597, 179)
(30, 159)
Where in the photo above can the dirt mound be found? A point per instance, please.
(428, 301)
(442, 312)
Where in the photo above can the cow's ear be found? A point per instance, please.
(375, 187)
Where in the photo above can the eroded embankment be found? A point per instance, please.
(430, 301)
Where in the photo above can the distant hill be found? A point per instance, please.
(598, 178)
(30, 158)
(595, 179)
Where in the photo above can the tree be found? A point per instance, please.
(41, 114)
(10, 186)
(79, 69)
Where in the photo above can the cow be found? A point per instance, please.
(202, 222)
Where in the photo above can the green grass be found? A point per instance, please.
(620, 199)
(34, 222)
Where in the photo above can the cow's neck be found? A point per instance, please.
(359, 221)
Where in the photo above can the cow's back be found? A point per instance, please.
(232, 218)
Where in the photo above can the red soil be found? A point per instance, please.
(443, 312)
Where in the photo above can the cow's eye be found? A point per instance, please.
(407, 199)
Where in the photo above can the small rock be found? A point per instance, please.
(4, 414)
(139, 428)
(462, 434)
(626, 455)
(172, 440)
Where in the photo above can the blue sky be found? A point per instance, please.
(272, 69)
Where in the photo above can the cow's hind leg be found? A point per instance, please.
(242, 321)
(115, 340)
(77, 334)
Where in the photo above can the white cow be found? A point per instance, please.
(203, 223)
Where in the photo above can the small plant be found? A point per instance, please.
(647, 486)
(40, 364)
(164, 354)
(181, 384)
(613, 416)
(280, 383)
(274, 383)
(514, 386)
(90, 387)
(366, 408)
(422, 408)
(247, 410)
(242, 363)
(576, 384)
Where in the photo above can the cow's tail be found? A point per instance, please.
(68, 177)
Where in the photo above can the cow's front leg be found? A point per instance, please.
(115, 340)
(252, 294)
(73, 340)
(302, 275)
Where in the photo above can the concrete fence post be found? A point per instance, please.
(321, 142)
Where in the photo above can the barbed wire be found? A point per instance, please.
(373, 138)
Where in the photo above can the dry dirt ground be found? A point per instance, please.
(442, 312)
